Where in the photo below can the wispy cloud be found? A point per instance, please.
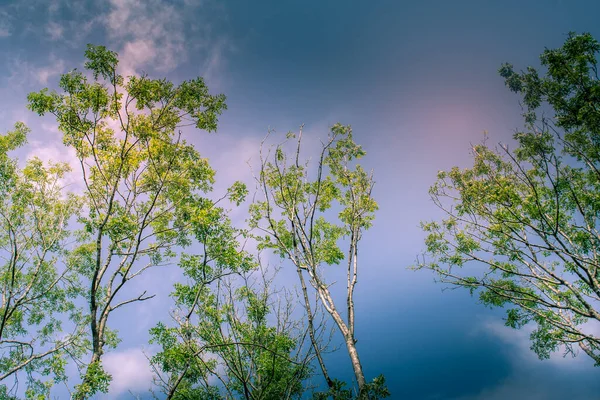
(520, 342)
(215, 61)
(160, 35)
(531, 378)
(51, 150)
(149, 32)
(54, 30)
(25, 74)
(130, 371)
(5, 25)
(66, 23)
(54, 68)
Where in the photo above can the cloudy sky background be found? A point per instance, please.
(418, 82)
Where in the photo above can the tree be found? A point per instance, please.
(296, 220)
(527, 220)
(37, 286)
(235, 340)
(143, 185)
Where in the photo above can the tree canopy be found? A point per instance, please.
(143, 186)
(294, 217)
(38, 285)
(522, 224)
(142, 199)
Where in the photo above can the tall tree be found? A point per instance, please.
(527, 220)
(37, 285)
(296, 217)
(142, 183)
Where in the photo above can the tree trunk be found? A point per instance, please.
(348, 338)
(356, 365)
(311, 329)
(97, 351)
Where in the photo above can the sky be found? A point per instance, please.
(418, 82)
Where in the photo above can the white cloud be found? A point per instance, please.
(53, 6)
(130, 371)
(520, 344)
(527, 378)
(157, 34)
(136, 54)
(149, 31)
(66, 23)
(194, 3)
(24, 73)
(510, 389)
(55, 68)
(51, 149)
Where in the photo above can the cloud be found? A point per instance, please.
(149, 31)
(511, 389)
(130, 371)
(5, 25)
(54, 30)
(25, 74)
(136, 54)
(65, 23)
(212, 67)
(161, 35)
(53, 6)
(55, 68)
(51, 149)
(520, 343)
(531, 378)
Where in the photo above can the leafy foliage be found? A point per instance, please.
(142, 201)
(225, 346)
(297, 222)
(338, 391)
(37, 286)
(530, 216)
(143, 184)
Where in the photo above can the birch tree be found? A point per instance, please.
(143, 185)
(526, 220)
(297, 220)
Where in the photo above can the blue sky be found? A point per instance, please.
(418, 82)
